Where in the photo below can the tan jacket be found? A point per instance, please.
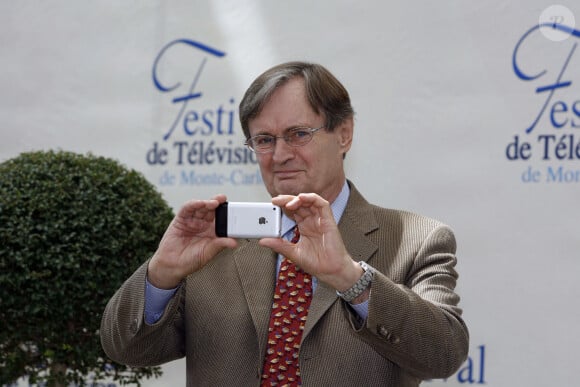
(219, 317)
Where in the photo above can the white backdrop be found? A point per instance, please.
(440, 89)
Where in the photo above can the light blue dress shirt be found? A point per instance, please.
(156, 300)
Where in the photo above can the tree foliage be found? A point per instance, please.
(72, 229)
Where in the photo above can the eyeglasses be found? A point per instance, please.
(265, 143)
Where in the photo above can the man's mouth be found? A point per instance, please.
(286, 174)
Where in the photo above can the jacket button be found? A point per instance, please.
(134, 325)
(383, 331)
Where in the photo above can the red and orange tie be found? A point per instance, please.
(292, 298)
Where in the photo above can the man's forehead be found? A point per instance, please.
(285, 110)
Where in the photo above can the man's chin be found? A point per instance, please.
(288, 187)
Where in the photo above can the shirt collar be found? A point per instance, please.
(337, 207)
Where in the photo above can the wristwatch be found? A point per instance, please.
(360, 286)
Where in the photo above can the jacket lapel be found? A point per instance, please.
(356, 222)
(257, 267)
(257, 271)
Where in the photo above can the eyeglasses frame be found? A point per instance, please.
(285, 137)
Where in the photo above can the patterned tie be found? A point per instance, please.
(292, 298)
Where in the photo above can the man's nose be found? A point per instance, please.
(282, 151)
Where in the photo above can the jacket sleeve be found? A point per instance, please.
(125, 336)
(416, 323)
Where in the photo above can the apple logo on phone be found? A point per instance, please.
(262, 220)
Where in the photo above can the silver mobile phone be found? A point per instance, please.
(248, 220)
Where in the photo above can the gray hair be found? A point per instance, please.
(325, 93)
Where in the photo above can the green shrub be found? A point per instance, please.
(72, 229)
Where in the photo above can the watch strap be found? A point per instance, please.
(359, 286)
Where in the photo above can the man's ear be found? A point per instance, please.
(345, 132)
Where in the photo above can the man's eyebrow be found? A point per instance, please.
(262, 132)
(294, 127)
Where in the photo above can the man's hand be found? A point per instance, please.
(188, 243)
(320, 250)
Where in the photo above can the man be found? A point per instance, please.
(380, 306)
